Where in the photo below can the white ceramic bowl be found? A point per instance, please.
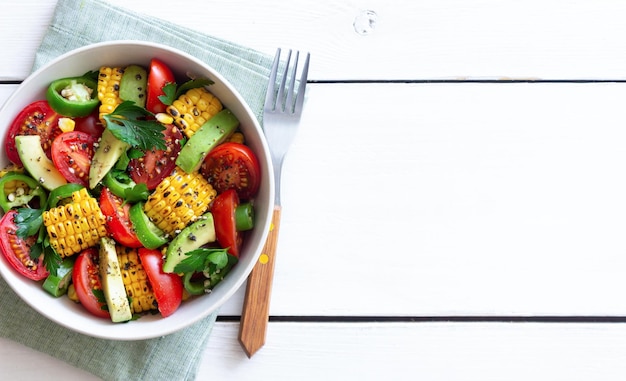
(120, 53)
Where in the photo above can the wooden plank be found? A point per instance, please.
(375, 351)
(549, 39)
(454, 199)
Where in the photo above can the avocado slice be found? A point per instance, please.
(37, 163)
(109, 150)
(133, 85)
(113, 283)
(190, 238)
(213, 132)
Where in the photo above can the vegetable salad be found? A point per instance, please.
(128, 191)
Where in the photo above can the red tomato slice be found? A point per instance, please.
(86, 279)
(37, 118)
(72, 153)
(155, 165)
(233, 166)
(167, 287)
(16, 250)
(158, 76)
(90, 124)
(223, 210)
(117, 219)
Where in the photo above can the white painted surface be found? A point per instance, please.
(427, 199)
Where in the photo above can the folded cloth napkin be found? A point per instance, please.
(175, 356)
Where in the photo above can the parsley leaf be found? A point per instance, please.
(128, 123)
(135, 153)
(28, 221)
(170, 93)
(92, 74)
(198, 260)
(137, 193)
(192, 84)
(51, 259)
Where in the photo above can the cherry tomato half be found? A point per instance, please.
(37, 118)
(90, 124)
(158, 76)
(16, 250)
(167, 287)
(223, 210)
(117, 219)
(233, 166)
(72, 153)
(155, 165)
(86, 279)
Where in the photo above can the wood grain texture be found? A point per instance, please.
(256, 305)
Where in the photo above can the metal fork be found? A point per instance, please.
(281, 116)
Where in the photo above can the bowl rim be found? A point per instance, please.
(6, 271)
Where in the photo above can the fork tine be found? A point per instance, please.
(280, 98)
(269, 95)
(292, 85)
(301, 88)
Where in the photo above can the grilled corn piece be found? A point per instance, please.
(136, 282)
(178, 200)
(109, 89)
(75, 226)
(193, 108)
(236, 137)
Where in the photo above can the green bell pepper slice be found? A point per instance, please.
(57, 284)
(116, 186)
(15, 199)
(73, 97)
(193, 287)
(62, 192)
(148, 233)
(244, 217)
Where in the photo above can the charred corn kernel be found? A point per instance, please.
(178, 200)
(11, 168)
(75, 226)
(237, 137)
(109, 89)
(193, 108)
(136, 281)
(71, 293)
(164, 118)
(67, 124)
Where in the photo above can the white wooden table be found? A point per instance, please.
(455, 200)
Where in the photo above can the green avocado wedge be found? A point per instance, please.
(213, 132)
(37, 163)
(190, 238)
(109, 150)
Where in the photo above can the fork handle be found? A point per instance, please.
(256, 305)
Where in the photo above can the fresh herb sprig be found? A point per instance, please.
(131, 124)
(172, 92)
(29, 222)
(213, 263)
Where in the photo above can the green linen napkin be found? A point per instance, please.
(176, 356)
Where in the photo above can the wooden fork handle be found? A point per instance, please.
(256, 305)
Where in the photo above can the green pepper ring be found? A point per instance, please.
(148, 233)
(62, 192)
(117, 187)
(70, 108)
(35, 191)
